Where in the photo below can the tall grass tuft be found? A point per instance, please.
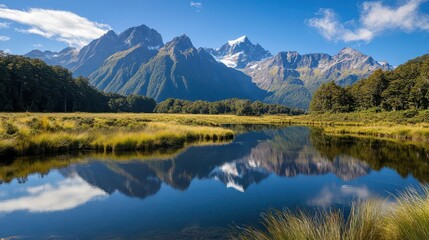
(409, 219)
(373, 219)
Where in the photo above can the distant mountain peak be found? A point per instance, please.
(239, 40)
(68, 49)
(182, 42)
(239, 52)
(110, 33)
(349, 51)
(143, 26)
(142, 35)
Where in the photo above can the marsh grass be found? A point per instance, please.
(22, 134)
(405, 218)
(414, 133)
(34, 133)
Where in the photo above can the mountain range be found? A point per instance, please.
(293, 78)
(137, 62)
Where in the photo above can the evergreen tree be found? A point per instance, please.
(331, 98)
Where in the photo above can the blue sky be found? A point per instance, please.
(392, 30)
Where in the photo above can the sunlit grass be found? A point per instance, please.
(409, 219)
(29, 133)
(402, 132)
(22, 134)
(405, 218)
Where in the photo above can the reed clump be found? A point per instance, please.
(405, 218)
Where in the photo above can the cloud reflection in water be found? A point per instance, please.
(63, 195)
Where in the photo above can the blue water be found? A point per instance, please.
(203, 192)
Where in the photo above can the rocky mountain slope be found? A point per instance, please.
(292, 78)
(179, 70)
(240, 52)
(88, 59)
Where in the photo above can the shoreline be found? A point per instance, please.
(41, 133)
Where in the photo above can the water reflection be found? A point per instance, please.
(251, 158)
(62, 195)
(200, 191)
(334, 194)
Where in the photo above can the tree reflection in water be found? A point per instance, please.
(251, 158)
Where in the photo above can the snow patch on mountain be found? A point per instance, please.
(239, 53)
(237, 41)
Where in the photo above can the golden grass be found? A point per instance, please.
(27, 133)
(416, 133)
(409, 219)
(24, 133)
(374, 219)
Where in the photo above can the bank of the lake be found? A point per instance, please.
(407, 125)
(26, 134)
(35, 133)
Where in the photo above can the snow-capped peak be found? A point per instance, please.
(239, 52)
(237, 41)
(386, 65)
(383, 63)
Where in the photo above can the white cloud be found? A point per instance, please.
(4, 38)
(4, 25)
(330, 195)
(37, 45)
(375, 18)
(66, 194)
(196, 4)
(64, 26)
(327, 24)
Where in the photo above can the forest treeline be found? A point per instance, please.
(235, 106)
(32, 85)
(405, 88)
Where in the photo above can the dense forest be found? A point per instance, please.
(406, 87)
(230, 106)
(32, 85)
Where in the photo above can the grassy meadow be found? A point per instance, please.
(40, 133)
(407, 125)
(407, 217)
(23, 134)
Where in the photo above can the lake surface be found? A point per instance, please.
(202, 191)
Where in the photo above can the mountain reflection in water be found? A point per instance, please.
(250, 159)
(210, 187)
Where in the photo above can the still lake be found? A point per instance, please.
(200, 192)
